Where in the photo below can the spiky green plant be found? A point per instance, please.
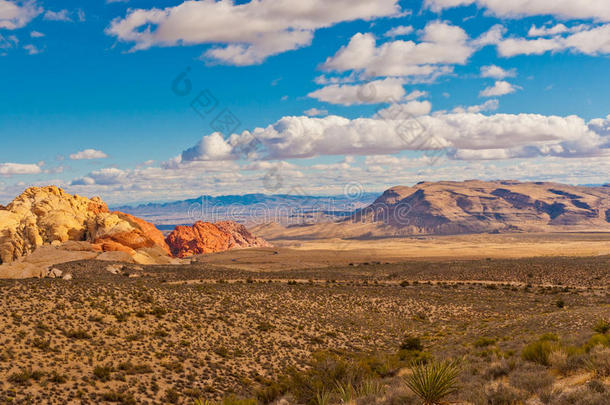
(434, 381)
(202, 402)
(322, 398)
(346, 392)
(369, 387)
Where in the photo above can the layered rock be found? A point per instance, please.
(466, 207)
(49, 216)
(474, 206)
(205, 237)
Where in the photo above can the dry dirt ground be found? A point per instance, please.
(232, 322)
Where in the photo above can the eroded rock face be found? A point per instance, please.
(205, 237)
(50, 216)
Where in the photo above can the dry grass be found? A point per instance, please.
(175, 334)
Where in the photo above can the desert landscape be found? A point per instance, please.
(305, 202)
(232, 318)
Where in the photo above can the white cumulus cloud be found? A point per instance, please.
(374, 92)
(441, 46)
(496, 72)
(15, 14)
(565, 9)
(467, 135)
(500, 88)
(9, 169)
(247, 33)
(88, 154)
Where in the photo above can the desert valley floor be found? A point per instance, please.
(247, 325)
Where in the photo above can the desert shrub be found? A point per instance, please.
(120, 397)
(411, 343)
(567, 361)
(502, 395)
(540, 350)
(484, 342)
(598, 340)
(599, 361)
(57, 378)
(130, 368)
(326, 371)
(121, 316)
(233, 400)
(582, 396)
(102, 373)
(532, 381)
(497, 369)
(434, 381)
(78, 334)
(24, 376)
(602, 326)
(171, 396)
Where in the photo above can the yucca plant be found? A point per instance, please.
(434, 381)
(369, 387)
(322, 398)
(202, 402)
(346, 392)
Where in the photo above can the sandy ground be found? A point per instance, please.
(329, 252)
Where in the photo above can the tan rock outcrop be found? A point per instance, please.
(50, 216)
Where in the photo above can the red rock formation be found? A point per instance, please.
(143, 235)
(205, 237)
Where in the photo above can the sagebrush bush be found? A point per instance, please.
(540, 350)
(599, 361)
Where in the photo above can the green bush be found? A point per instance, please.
(411, 343)
(602, 326)
(540, 350)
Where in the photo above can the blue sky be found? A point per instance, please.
(495, 89)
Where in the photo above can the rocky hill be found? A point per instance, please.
(205, 237)
(48, 216)
(45, 226)
(447, 207)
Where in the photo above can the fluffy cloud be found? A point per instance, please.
(103, 177)
(499, 88)
(489, 105)
(399, 31)
(566, 9)
(405, 110)
(61, 15)
(9, 169)
(31, 49)
(497, 72)
(441, 45)
(88, 154)
(14, 14)
(591, 41)
(554, 30)
(212, 147)
(312, 112)
(374, 92)
(251, 32)
(467, 135)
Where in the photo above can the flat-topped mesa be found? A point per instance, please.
(205, 237)
(48, 215)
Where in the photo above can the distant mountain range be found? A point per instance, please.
(448, 207)
(252, 209)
